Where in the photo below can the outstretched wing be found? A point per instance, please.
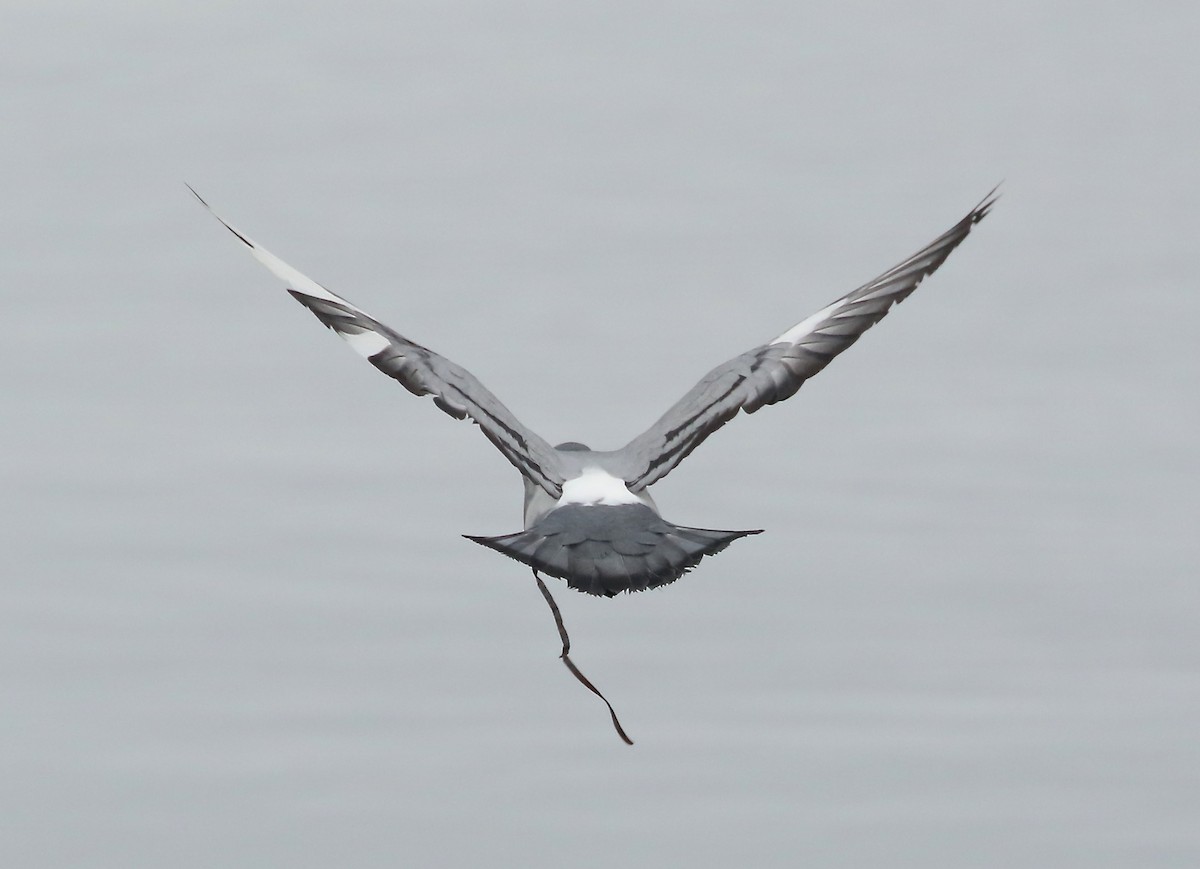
(775, 371)
(419, 370)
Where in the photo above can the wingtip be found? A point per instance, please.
(200, 198)
(980, 211)
(220, 219)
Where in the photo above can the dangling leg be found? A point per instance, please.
(566, 658)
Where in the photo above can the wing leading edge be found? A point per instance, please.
(774, 371)
(419, 370)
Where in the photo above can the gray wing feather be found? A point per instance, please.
(454, 389)
(421, 371)
(775, 371)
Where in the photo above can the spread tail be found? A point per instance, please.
(604, 550)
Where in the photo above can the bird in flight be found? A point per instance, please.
(589, 516)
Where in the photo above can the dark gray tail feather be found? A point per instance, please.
(604, 550)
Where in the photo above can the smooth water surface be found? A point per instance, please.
(238, 627)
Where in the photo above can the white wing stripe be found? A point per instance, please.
(420, 370)
(365, 344)
(794, 334)
(774, 372)
(294, 279)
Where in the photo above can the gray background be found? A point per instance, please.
(237, 625)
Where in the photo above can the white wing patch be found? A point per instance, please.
(805, 326)
(293, 279)
(366, 344)
(419, 370)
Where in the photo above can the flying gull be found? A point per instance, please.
(589, 515)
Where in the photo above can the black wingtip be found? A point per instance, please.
(200, 198)
(197, 195)
(980, 211)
